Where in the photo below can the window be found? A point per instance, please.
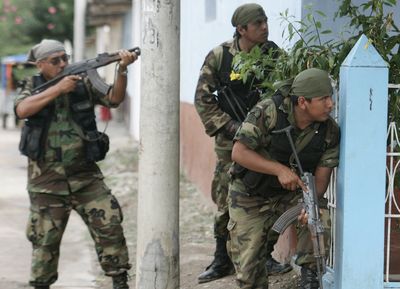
(211, 10)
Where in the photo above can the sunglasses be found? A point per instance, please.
(56, 60)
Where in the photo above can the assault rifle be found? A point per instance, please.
(87, 67)
(311, 207)
(235, 106)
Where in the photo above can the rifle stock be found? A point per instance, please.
(87, 67)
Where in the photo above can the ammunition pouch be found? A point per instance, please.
(34, 131)
(257, 184)
(31, 140)
(97, 145)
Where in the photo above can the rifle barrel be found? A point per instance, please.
(83, 66)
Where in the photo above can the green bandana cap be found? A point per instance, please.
(311, 83)
(44, 49)
(247, 13)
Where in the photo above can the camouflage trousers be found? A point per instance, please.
(251, 220)
(48, 219)
(219, 194)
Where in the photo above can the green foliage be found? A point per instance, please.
(310, 51)
(25, 23)
(50, 19)
(370, 18)
(11, 18)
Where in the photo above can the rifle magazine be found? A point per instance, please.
(287, 218)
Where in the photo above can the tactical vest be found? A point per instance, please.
(34, 133)
(240, 88)
(280, 149)
(268, 185)
(244, 98)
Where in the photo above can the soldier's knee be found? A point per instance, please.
(42, 230)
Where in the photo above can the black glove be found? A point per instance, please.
(230, 128)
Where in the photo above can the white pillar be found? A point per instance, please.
(79, 29)
(158, 202)
(137, 36)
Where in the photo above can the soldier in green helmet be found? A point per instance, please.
(264, 178)
(251, 29)
(62, 170)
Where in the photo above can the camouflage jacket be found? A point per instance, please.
(206, 103)
(64, 168)
(255, 133)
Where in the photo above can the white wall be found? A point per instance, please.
(198, 36)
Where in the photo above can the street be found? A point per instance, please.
(79, 268)
(75, 270)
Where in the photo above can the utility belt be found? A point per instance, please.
(257, 184)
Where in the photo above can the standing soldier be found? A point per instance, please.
(219, 115)
(62, 170)
(265, 182)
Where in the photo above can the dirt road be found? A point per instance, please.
(79, 268)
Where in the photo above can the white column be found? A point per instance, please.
(136, 69)
(158, 202)
(79, 29)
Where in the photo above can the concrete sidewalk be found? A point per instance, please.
(75, 270)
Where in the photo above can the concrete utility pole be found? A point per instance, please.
(79, 29)
(136, 69)
(158, 204)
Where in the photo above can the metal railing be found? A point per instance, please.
(331, 196)
(331, 191)
(392, 208)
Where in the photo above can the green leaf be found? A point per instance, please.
(320, 13)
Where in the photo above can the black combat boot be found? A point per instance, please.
(274, 268)
(221, 266)
(120, 281)
(309, 279)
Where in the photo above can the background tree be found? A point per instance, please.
(25, 23)
(50, 19)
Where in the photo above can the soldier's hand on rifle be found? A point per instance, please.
(303, 217)
(68, 83)
(126, 58)
(289, 179)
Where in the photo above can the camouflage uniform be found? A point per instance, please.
(214, 120)
(251, 217)
(65, 181)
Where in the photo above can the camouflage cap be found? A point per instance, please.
(45, 48)
(247, 13)
(311, 83)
